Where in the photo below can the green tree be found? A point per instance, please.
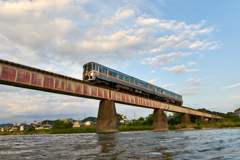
(237, 112)
(193, 118)
(211, 112)
(62, 125)
(93, 119)
(149, 120)
(119, 116)
(174, 119)
(141, 119)
(229, 115)
(32, 128)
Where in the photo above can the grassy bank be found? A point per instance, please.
(91, 129)
(230, 123)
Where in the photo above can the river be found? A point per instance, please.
(193, 144)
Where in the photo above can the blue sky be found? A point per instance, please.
(189, 47)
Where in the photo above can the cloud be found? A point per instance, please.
(235, 97)
(197, 82)
(77, 29)
(62, 35)
(194, 82)
(179, 69)
(191, 63)
(153, 81)
(232, 86)
(190, 79)
(165, 59)
(147, 22)
(29, 105)
(191, 90)
(168, 85)
(152, 71)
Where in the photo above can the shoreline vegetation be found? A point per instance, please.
(229, 123)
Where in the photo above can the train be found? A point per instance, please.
(100, 74)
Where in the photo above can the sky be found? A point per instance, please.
(188, 47)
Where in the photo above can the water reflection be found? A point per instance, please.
(107, 142)
(197, 144)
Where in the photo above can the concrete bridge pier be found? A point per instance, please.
(185, 119)
(211, 120)
(159, 120)
(200, 119)
(107, 120)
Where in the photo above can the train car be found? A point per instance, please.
(98, 73)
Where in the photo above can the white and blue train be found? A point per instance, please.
(98, 73)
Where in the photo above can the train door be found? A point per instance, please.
(107, 74)
(98, 69)
(85, 69)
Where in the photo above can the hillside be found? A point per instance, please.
(49, 122)
(7, 124)
(93, 119)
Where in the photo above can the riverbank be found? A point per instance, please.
(124, 128)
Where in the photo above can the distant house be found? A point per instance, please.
(46, 126)
(90, 123)
(77, 124)
(16, 124)
(15, 128)
(24, 127)
(35, 123)
(127, 121)
(124, 118)
(6, 128)
(67, 120)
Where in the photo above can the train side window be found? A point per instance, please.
(89, 67)
(110, 73)
(126, 79)
(121, 77)
(155, 89)
(132, 80)
(93, 66)
(100, 69)
(159, 90)
(151, 87)
(115, 75)
(137, 82)
(144, 85)
(141, 84)
(104, 71)
(147, 86)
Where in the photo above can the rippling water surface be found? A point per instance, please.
(195, 144)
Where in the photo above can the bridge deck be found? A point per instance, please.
(18, 75)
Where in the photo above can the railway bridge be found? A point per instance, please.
(18, 75)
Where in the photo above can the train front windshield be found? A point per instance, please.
(85, 68)
(88, 67)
